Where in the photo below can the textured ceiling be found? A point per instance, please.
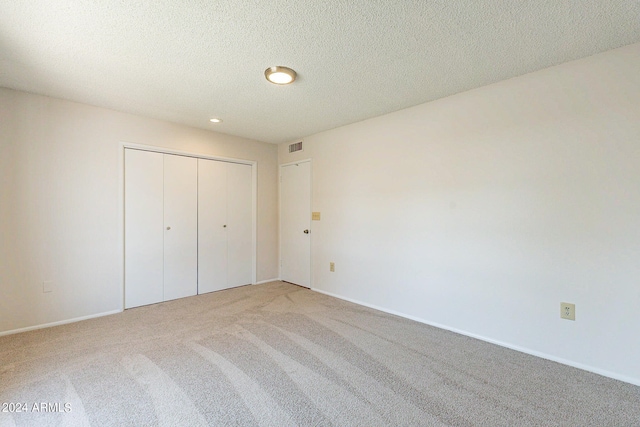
(189, 60)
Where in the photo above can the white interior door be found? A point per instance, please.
(180, 226)
(212, 225)
(239, 221)
(143, 222)
(295, 223)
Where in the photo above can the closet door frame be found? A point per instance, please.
(163, 150)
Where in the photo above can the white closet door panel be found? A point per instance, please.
(239, 219)
(295, 223)
(143, 228)
(212, 225)
(180, 226)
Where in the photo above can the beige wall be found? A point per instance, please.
(61, 203)
(483, 211)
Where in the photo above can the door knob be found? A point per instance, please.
(306, 231)
(224, 226)
(168, 228)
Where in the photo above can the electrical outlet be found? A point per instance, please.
(47, 286)
(315, 216)
(567, 311)
(332, 266)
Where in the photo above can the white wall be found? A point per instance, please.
(61, 203)
(483, 211)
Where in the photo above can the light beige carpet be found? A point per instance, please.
(281, 355)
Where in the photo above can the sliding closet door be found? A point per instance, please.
(239, 220)
(180, 226)
(212, 225)
(143, 222)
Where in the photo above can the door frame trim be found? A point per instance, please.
(307, 160)
(254, 199)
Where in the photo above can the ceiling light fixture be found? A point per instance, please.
(280, 75)
(215, 120)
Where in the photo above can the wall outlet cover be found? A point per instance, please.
(47, 286)
(567, 311)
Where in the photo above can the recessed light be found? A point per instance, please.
(280, 75)
(214, 120)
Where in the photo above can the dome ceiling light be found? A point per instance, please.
(280, 75)
(215, 120)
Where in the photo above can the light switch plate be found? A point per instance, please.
(315, 216)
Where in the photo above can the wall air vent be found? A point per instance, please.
(295, 147)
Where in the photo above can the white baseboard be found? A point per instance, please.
(61, 322)
(267, 281)
(604, 373)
